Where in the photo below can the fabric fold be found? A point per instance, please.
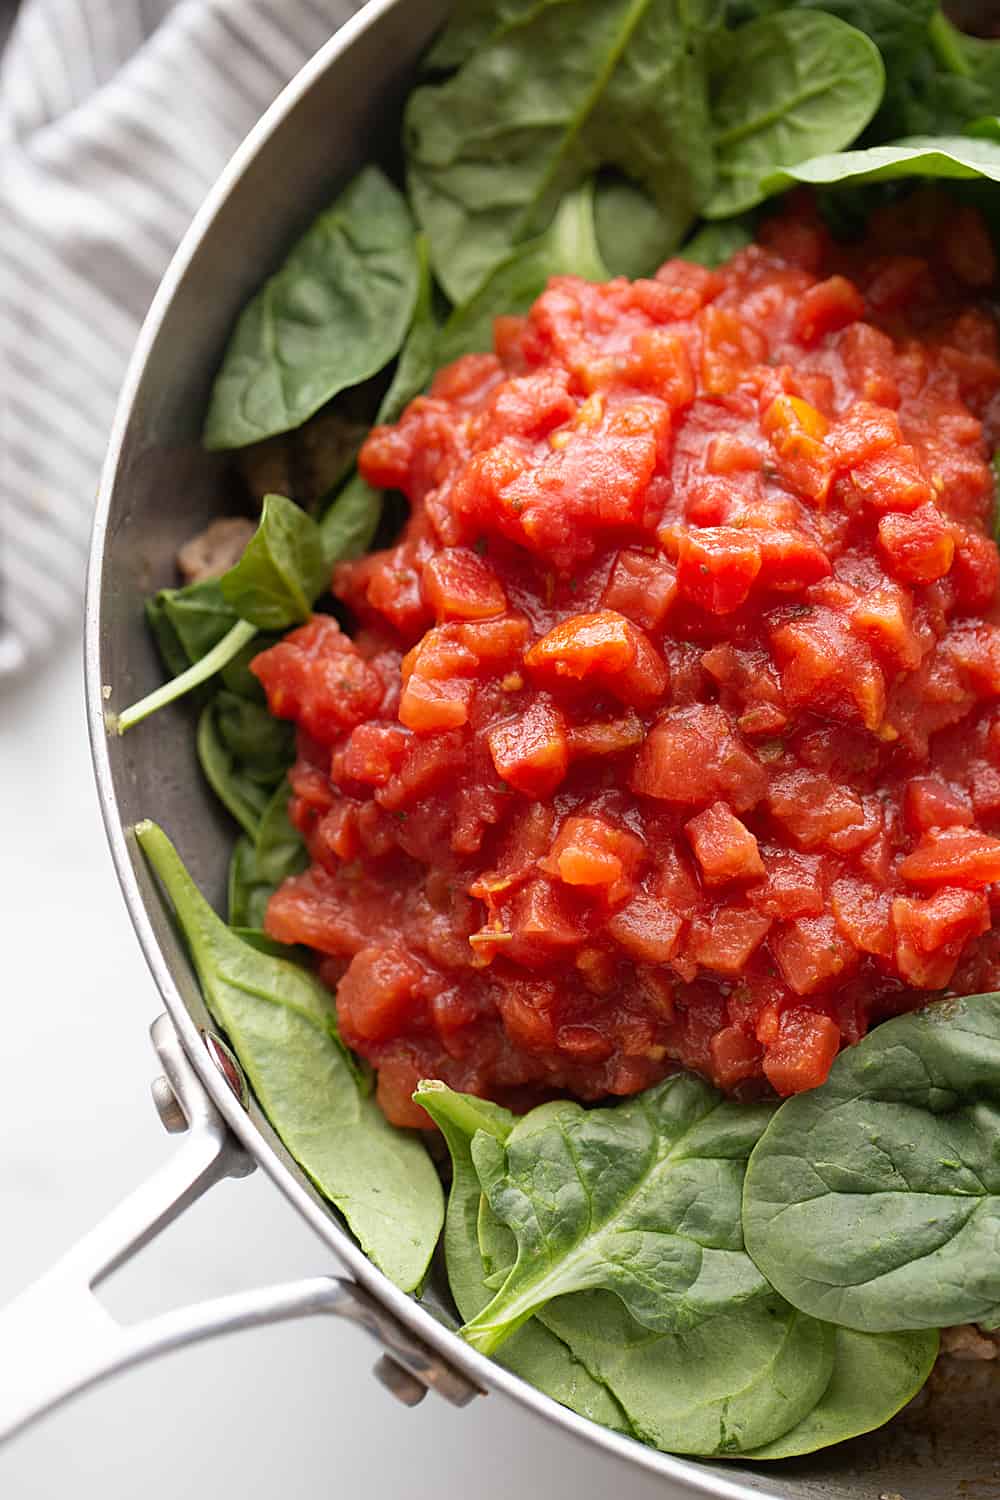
(116, 116)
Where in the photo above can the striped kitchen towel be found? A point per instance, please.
(115, 118)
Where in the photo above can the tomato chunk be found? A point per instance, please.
(531, 752)
(723, 846)
(953, 856)
(605, 649)
(716, 568)
(695, 755)
(803, 1053)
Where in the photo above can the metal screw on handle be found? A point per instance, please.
(168, 1106)
(57, 1339)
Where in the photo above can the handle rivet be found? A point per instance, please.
(225, 1060)
(168, 1108)
(404, 1386)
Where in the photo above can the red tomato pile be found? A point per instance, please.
(669, 731)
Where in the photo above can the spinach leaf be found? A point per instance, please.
(533, 1352)
(280, 1022)
(473, 24)
(642, 1199)
(264, 746)
(794, 84)
(947, 82)
(733, 1383)
(715, 243)
(634, 234)
(239, 793)
(874, 1376)
(282, 571)
(274, 585)
(458, 1117)
(874, 1201)
(246, 898)
(492, 150)
(334, 315)
(711, 1390)
(916, 156)
(417, 358)
(245, 753)
(187, 622)
(567, 248)
(348, 526)
(897, 27)
(196, 617)
(272, 852)
(168, 642)
(257, 938)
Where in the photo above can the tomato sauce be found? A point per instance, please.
(668, 734)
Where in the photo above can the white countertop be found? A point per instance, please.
(285, 1412)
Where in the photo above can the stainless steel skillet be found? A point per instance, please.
(158, 488)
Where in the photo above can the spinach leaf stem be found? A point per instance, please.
(213, 661)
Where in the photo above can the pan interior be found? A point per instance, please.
(160, 488)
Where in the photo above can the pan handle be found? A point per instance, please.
(57, 1339)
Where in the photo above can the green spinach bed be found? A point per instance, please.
(707, 1276)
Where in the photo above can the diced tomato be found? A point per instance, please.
(642, 587)
(803, 1053)
(827, 306)
(316, 678)
(931, 932)
(918, 548)
(727, 454)
(372, 754)
(953, 856)
(892, 482)
(869, 360)
(526, 1007)
(605, 649)
(793, 885)
(883, 617)
(789, 560)
(930, 803)
(397, 1079)
(723, 846)
(866, 430)
(659, 360)
(647, 929)
(812, 808)
(729, 346)
(716, 567)
(861, 912)
(726, 939)
(797, 432)
(695, 755)
(605, 736)
(459, 585)
(975, 570)
(593, 852)
(530, 752)
(377, 994)
(824, 665)
(543, 924)
(735, 1056)
(811, 952)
